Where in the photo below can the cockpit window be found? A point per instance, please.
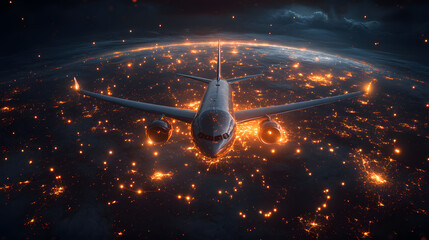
(215, 125)
(215, 138)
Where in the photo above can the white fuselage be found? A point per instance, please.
(213, 129)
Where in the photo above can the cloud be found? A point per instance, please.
(291, 17)
(359, 25)
(319, 19)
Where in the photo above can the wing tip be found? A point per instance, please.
(368, 88)
(76, 84)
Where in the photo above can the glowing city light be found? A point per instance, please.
(125, 179)
(160, 175)
(377, 178)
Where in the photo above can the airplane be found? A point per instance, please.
(213, 126)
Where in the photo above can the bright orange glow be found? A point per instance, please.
(368, 88)
(160, 175)
(397, 150)
(321, 80)
(377, 178)
(57, 190)
(76, 84)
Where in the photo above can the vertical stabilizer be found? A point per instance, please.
(218, 62)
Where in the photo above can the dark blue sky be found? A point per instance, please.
(398, 27)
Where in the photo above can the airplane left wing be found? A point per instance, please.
(257, 113)
(172, 112)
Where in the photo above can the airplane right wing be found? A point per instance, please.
(257, 113)
(172, 112)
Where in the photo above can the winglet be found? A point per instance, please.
(368, 88)
(218, 62)
(76, 84)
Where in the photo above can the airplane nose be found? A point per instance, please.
(211, 151)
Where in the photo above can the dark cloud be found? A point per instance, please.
(319, 19)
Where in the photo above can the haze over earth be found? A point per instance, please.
(74, 167)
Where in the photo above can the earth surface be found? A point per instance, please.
(75, 167)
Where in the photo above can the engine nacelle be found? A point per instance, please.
(159, 131)
(269, 132)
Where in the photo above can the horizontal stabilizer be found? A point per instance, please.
(233, 80)
(204, 80)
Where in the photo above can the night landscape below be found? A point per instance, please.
(76, 166)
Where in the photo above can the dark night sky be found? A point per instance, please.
(398, 27)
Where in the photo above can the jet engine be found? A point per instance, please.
(159, 131)
(269, 132)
